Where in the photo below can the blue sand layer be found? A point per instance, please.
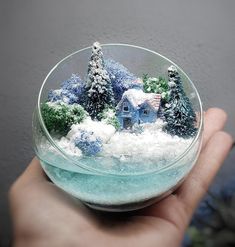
(116, 190)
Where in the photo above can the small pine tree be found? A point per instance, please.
(98, 89)
(178, 113)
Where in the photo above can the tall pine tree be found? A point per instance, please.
(179, 114)
(98, 89)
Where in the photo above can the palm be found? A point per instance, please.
(60, 214)
(52, 218)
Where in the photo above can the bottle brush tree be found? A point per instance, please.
(98, 90)
(178, 113)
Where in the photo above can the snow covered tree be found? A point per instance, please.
(75, 85)
(62, 95)
(70, 92)
(178, 113)
(98, 90)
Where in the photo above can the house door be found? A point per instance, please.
(127, 124)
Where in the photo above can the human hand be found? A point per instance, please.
(44, 215)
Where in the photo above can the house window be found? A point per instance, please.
(146, 112)
(125, 107)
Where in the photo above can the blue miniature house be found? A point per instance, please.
(136, 107)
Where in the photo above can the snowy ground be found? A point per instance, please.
(152, 144)
(132, 151)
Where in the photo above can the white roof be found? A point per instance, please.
(137, 97)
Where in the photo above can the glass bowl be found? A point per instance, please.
(105, 183)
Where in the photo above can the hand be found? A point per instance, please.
(44, 215)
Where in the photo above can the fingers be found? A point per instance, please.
(215, 120)
(209, 162)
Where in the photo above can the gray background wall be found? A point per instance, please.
(34, 35)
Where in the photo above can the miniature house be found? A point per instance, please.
(136, 107)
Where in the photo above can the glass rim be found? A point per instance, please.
(98, 171)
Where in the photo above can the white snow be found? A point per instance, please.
(138, 97)
(68, 146)
(171, 83)
(56, 105)
(99, 129)
(110, 113)
(96, 47)
(172, 68)
(57, 91)
(152, 144)
(53, 104)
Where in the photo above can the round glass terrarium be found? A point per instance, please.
(117, 179)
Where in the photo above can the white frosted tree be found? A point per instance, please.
(98, 90)
(179, 113)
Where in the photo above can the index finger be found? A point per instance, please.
(215, 120)
(209, 162)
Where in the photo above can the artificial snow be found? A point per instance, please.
(99, 129)
(172, 68)
(68, 147)
(138, 97)
(152, 144)
(171, 84)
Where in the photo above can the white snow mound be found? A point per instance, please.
(99, 129)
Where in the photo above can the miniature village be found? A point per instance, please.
(113, 113)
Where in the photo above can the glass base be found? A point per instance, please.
(132, 206)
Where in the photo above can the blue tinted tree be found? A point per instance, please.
(121, 78)
(74, 85)
(71, 91)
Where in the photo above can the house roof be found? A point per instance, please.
(137, 98)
